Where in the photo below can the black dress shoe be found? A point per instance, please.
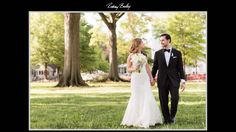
(173, 120)
(167, 122)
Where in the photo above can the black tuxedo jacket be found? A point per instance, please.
(174, 71)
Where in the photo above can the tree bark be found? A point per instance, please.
(58, 73)
(184, 61)
(46, 71)
(71, 73)
(113, 72)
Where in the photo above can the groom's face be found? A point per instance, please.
(164, 41)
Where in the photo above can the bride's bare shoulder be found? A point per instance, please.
(131, 54)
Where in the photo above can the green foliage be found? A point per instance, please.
(188, 32)
(46, 38)
(135, 24)
(147, 51)
(160, 26)
(88, 54)
(99, 37)
(123, 50)
(103, 64)
(100, 43)
(188, 35)
(47, 42)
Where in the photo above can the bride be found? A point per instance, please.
(142, 109)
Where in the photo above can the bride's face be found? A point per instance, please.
(141, 45)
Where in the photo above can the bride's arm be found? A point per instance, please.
(149, 72)
(129, 65)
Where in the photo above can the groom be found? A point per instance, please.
(171, 76)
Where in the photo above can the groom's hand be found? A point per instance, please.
(182, 86)
(155, 78)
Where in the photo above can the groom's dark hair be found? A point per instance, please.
(167, 36)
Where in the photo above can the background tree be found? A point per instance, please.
(46, 39)
(89, 59)
(100, 42)
(110, 21)
(159, 26)
(71, 73)
(47, 42)
(135, 24)
(187, 32)
(123, 46)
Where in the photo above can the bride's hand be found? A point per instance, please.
(152, 82)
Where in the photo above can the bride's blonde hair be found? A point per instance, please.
(135, 45)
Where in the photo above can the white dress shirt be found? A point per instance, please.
(167, 56)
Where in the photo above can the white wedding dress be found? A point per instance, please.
(142, 109)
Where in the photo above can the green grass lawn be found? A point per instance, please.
(102, 105)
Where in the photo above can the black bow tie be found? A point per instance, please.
(168, 50)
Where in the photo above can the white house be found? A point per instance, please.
(122, 69)
(37, 72)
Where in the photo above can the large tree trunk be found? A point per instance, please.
(113, 71)
(46, 71)
(196, 66)
(184, 60)
(71, 72)
(111, 24)
(58, 73)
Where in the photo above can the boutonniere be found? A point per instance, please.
(172, 55)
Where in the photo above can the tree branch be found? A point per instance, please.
(119, 15)
(113, 17)
(104, 19)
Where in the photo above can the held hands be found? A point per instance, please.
(152, 81)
